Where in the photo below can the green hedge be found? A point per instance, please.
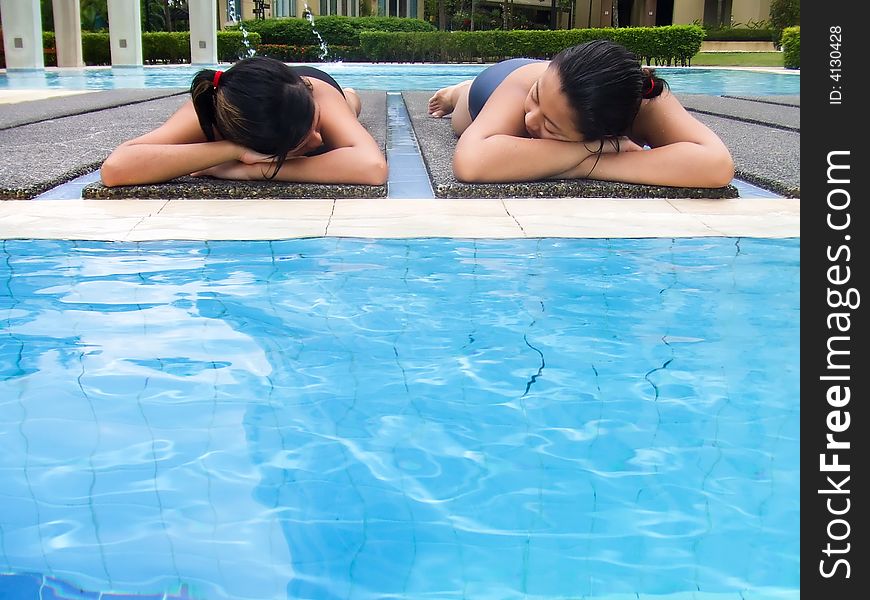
(335, 30)
(96, 49)
(783, 14)
(289, 53)
(157, 46)
(231, 45)
(675, 44)
(791, 47)
(654, 45)
(732, 34)
(165, 46)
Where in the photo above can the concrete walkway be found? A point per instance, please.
(51, 140)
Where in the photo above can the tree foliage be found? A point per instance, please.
(784, 13)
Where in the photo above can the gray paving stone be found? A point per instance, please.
(373, 116)
(765, 156)
(750, 111)
(40, 156)
(23, 113)
(437, 143)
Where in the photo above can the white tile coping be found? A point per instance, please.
(141, 220)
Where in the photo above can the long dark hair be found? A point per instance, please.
(258, 103)
(605, 84)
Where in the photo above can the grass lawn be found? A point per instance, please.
(737, 59)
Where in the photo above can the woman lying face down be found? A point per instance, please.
(260, 119)
(588, 113)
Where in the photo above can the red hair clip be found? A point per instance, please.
(217, 78)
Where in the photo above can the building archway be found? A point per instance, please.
(623, 12)
(664, 12)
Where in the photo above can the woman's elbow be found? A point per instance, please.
(721, 170)
(466, 171)
(111, 173)
(121, 168)
(374, 172)
(378, 171)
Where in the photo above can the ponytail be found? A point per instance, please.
(203, 92)
(652, 86)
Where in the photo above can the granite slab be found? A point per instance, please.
(39, 156)
(373, 117)
(781, 116)
(785, 100)
(768, 157)
(437, 143)
(24, 113)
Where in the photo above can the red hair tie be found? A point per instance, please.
(217, 78)
(648, 90)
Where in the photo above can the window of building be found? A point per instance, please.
(397, 8)
(283, 8)
(234, 10)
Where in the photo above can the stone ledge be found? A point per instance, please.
(42, 155)
(207, 188)
(374, 119)
(25, 113)
(438, 142)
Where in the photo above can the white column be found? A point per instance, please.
(22, 34)
(125, 33)
(203, 32)
(68, 32)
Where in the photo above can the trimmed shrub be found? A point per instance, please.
(733, 34)
(165, 46)
(157, 46)
(96, 48)
(288, 53)
(170, 47)
(231, 45)
(783, 13)
(49, 49)
(791, 47)
(335, 30)
(675, 44)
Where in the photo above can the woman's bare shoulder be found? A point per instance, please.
(526, 75)
(663, 120)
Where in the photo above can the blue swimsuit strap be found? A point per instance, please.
(489, 79)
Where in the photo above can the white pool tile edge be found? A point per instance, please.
(145, 220)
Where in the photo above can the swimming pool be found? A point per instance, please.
(393, 77)
(346, 418)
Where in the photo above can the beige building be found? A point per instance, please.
(647, 13)
(296, 8)
(583, 13)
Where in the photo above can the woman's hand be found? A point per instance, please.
(620, 144)
(234, 170)
(251, 157)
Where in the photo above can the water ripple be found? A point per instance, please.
(436, 418)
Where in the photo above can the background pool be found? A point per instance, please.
(394, 77)
(337, 418)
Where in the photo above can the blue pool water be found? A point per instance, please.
(338, 418)
(394, 77)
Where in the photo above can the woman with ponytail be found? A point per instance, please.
(585, 114)
(260, 119)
